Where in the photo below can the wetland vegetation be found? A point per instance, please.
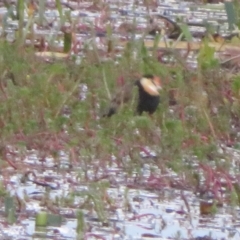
(174, 175)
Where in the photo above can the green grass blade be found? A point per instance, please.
(20, 17)
(231, 15)
(59, 8)
(41, 10)
(185, 30)
(67, 41)
(10, 209)
(54, 220)
(80, 224)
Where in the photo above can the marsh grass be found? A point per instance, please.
(35, 95)
(33, 99)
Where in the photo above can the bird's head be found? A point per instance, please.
(151, 84)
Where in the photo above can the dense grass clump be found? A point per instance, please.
(57, 105)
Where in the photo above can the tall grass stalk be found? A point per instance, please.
(20, 17)
(60, 11)
(41, 10)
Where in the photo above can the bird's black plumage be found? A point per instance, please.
(148, 95)
(146, 102)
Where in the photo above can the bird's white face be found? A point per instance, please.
(151, 86)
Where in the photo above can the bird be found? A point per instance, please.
(148, 95)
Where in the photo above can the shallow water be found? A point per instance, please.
(131, 211)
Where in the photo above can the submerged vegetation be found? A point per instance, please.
(53, 107)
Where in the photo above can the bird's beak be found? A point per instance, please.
(157, 82)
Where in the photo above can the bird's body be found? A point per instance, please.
(148, 95)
